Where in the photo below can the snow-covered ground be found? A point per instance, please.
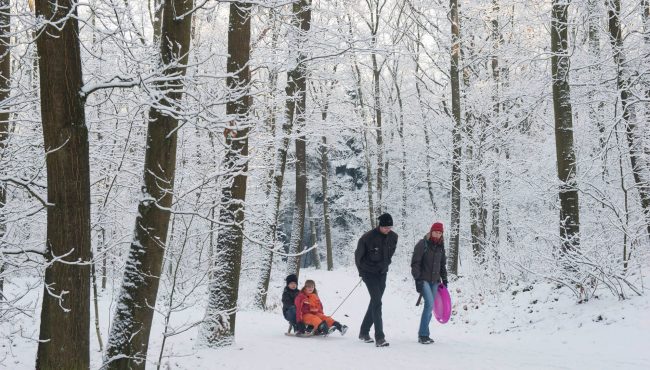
(524, 327)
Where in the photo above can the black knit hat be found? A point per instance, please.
(292, 279)
(385, 220)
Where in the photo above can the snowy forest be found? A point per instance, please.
(164, 164)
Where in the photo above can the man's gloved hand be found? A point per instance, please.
(418, 285)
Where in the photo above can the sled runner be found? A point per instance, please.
(308, 333)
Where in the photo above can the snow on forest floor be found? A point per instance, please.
(525, 327)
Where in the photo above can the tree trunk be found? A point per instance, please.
(418, 89)
(129, 336)
(380, 141)
(366, 149)
(497, 40)
(314, 237)
(275, 181)
(456, 140)
(219, 327)
(596, 109)
(646, 38)
(401, 132)
(324, 174)
(65, 316)
(296, 111)
(566, 159)
(475, 181)
(376, 7)
(326, 203)
(635, 135)
(5, 90)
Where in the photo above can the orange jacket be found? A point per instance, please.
(307, 303)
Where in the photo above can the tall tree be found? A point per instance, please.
(475, 131)
(5, 90)
(596, 108)
(634, 133)
(296, 91)
(65, 316)
(219, 326)
(497, 41)
(129, 336)
(325, 92)
(566, 158)
(275, 182)
(366, 149)
(646, 38)
(375, 8)
(418, 88)
(456, 138)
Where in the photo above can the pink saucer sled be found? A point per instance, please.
(442, 304)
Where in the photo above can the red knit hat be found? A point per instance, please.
(437, 226)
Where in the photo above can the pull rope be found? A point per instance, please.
(346, 297)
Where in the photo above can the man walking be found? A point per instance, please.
(372, 257)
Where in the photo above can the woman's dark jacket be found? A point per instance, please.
(429, 262)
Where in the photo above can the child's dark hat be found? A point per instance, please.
(292, 279)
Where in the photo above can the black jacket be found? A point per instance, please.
(375, 252)
(288, 298)
(429, 261)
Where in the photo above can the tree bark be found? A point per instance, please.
(401, 133)
(427, 141)
(326, 203)
(314, 237)
(5, 90)
(296, 110)
(275, 180)
(474, 130)
(376, 7)
(324, 174)
(596, 109)
(497, 40)
(635, 135)
(366, 149)
(456, 140)
(566, 159)
(129, 336)
(219, 327)
(65, 316)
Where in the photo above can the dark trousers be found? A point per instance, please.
(290, 315)
(376, 284)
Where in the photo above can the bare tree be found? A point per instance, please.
(596, 109)
(219, 326)
(375, 9)
(456, 139)
(566, 158)
(65, 316)
(325, 93)
(634, 134)
(497, 41)
(275, 182)
(5, 90)
(296, 110)
(129, 337)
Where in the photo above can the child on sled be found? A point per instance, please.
(309, 311)
(288, 303)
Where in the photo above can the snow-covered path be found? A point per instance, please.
(525, 327)
(552, 343)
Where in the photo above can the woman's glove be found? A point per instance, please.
(418, 285)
